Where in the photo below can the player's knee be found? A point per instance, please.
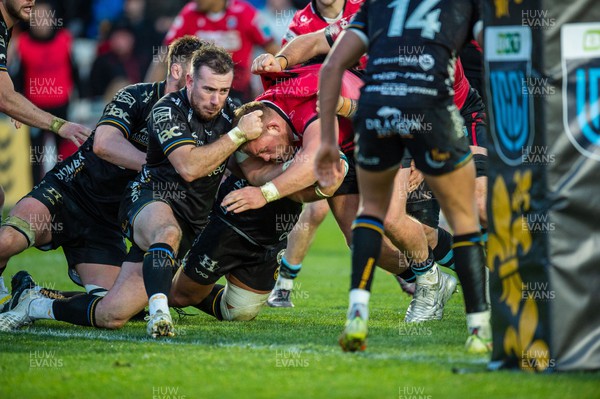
(15, 236)
(111, 320)
(169, 233)
(114, 324)
(316, 212)
(238, 304)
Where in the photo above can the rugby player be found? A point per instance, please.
(312, 45)
(420, 89)
(234, 25)
(245, 247)
(318, 14)
(132, 124)
(76, 205)
(292, 123)
(18, 107)
(190, 141)
(253, 242)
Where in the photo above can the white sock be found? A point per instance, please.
(284, 283)
(480, 321)
(359, 299)
(41, 308)
(2, 286)
(429, 278)
(158, 302)
(97, 290)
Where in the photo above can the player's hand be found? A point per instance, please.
(415, 178)
(244, 199)
(16, 123)
(251, 125)
(75, 132)
(265, 63)
(328, 166)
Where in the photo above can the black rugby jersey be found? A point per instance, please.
(4, 39)
(174, 124)
(266, 226)
(98, 185)
(413, 46)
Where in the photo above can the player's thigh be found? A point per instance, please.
(98, 274)
(376, 188)
(125, 299)
(156, 223)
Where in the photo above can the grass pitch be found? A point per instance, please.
(284, 353)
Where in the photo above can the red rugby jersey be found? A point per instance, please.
(310, 20)
(47, 69)
(293, 95)
(237, 29)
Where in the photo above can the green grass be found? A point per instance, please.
(284, 353)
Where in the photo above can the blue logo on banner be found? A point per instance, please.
(510, 110)
(581, 102)
(588, 107)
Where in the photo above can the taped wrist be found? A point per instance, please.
(56, 124)
(347, 109)
(270, 192)
(237, 136)
(282, 57)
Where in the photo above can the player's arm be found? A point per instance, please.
(257, 171)
(193, 162)
(19, 108)
(301, 49)
(297, 176)
(346, 51)
(111, 139)
(113, 147)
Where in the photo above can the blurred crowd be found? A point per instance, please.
(74, 55)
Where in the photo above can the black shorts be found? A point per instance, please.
(473, 112)
(135, 199)
(433, 136)
(84, 238)
(219, 251)
(350, 183)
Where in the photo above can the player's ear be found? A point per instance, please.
(272, 126)
(189, 81)
(176, 71)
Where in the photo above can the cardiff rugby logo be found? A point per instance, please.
(581, 83)
(508, 64)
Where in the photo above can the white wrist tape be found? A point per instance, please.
(270, 192)
(320, 193)
(237, 136)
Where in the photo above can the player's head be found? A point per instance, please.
(207, 6)
(19, 9)
(274, 144)
(180, 57)
(209, 80)
(41, 20)
(329, 3)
